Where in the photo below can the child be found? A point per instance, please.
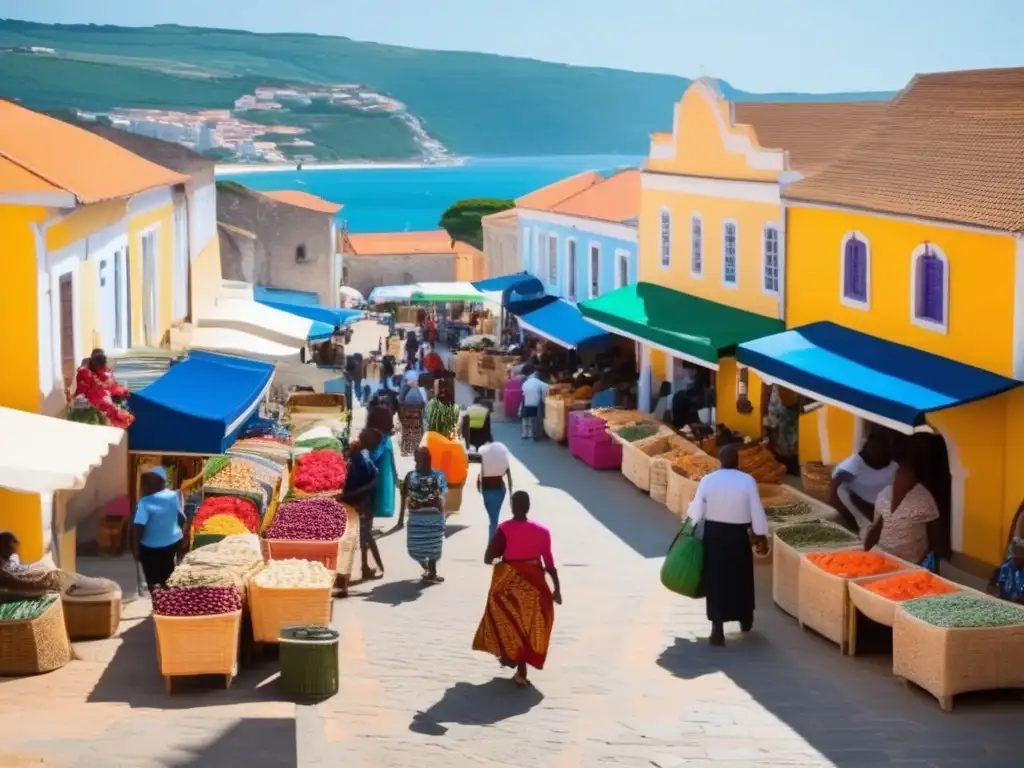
(1008, 581)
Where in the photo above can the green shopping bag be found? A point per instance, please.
(681, 571)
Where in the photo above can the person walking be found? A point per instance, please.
(520, 611)
(495, 468)
(728, 505)
(159, 528)
(534, 392)
(360, 492)
(423, 495)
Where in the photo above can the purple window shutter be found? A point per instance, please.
(933, 287)
(855, 270)
(920, 291)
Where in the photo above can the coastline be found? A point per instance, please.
(236, 169)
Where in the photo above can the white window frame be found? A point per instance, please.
(594, 277)
(665, 243)
(771, 226)
(151, 337)
(921, 322)
(552, 262)
(698, 252)
(571, 263)
(181, 259)
(541, 255)
(527, 254)
(112, 266)
(622, 257)
(726, 223)
(70, 265)
(845, 300)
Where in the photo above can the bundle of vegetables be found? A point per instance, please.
(639, 431)
(222, 525)
(214, 465)
(442, 417)
(320, 444)
(196, 601)
(242, 509)
(27, 609)
(319, 471)
(962, 611)
(308, 520)
(852, 565)
(695, 466)
(814, 534)
(910, 586)
(294, 574)
(781, 514)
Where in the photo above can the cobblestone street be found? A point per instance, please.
(630, 680)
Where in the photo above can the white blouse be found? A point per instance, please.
(729, 496)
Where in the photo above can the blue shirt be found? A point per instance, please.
(1010, 581)
(160, 515)
(361, 472)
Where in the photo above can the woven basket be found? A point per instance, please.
(39, 645)
(453, 499)
(825, 600)
(326, 552)
(94, 617)
(327, 400)
(816, 479)
(946, 662)
(349, 543)
(275, 608)
(880, 610)
(786, 572)
(636, 466)
(197, 645)
(680, 492)
(556, 418)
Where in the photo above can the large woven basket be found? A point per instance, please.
(825, 600)
(786, 572)
(94, 617)
(453, 499)
(556, 418)
(679, 492)
(816, 479)
(326, 552)
(946, 662)
(880, 610)
(636, 466)
(197, 645)
(349, 543)
(328, 400)
(31, 647)
(274, 608)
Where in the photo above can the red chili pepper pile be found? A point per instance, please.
(243, 509)
(319, 471)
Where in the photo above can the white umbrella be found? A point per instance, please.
(347, 292)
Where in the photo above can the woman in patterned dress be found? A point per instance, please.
(423, 495)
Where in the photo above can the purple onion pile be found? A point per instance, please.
(196, 601)
(308, 520)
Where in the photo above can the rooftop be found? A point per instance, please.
(54, 163)
(431, 242)
(949, 148)
(615, 199)
(166, 153)
(546, 198)
(304, 200)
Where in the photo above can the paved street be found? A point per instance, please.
(630, 682)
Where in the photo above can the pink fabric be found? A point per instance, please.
(527, 540)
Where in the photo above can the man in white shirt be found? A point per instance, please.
(728, 504)
(858, 480)
(534, 392)
(495, 468)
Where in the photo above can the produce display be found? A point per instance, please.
(236, 476)
(814, 534)
(319, 471)
(963, 611)
(267, 429)
(27, 609)
(320, 444)
(909, 586)
(618, 417)
(442, 418)
(851, 565)
(695, 466)
(294, 574)
(308, 520)
(223, 525)
(196, 601)
(242, 509)
(782, 514)
(214, 465)
(758, 461)
(775, 495)
(639, 431)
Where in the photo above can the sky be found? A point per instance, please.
(756, 45)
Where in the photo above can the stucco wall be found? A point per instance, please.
(280, 230)
(364, 273)
(501, 248)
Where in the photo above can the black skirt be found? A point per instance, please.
(158, 564)
(728, 572)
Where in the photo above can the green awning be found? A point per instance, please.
(441, 293)
(691, 327)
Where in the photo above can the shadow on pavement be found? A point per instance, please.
(645, 526)
(395, 593)
(468, 704)
(264, 743)
(451, 530)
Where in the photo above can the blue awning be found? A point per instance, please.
(199, 406)
(320, 331)
(883, 382)
(265, 292)
(560, 322)
(501, 283)
(328, 315)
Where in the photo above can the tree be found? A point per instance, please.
(462, 220)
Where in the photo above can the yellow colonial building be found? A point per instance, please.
(95, 254)
(712, 259)
(904, 286)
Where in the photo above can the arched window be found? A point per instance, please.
(930, 285)
(696, 245)
(622, 279)
(856, 270)
(666, 238)
(570, 259)
(771, 259)
(730, 253)
(595, 270)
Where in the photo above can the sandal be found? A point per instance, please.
(372, 574)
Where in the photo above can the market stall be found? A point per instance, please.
(229, 341)
(391, 294)
(266, 322)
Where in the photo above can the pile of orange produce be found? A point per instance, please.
(695, 466)
(908, 586)
(758, 461)
(853, 564)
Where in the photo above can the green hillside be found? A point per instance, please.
(476, 104)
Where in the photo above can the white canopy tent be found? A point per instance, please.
(384, 294)
(259, 320)
(229, 341)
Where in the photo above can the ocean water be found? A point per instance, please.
(383, 199)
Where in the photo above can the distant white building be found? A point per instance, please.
(245, 102)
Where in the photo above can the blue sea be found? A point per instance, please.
(382, 199)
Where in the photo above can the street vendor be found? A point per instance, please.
(858, 480)
(95, 385)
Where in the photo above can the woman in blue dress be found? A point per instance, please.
(382, 419)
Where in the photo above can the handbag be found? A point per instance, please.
(682, 571)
